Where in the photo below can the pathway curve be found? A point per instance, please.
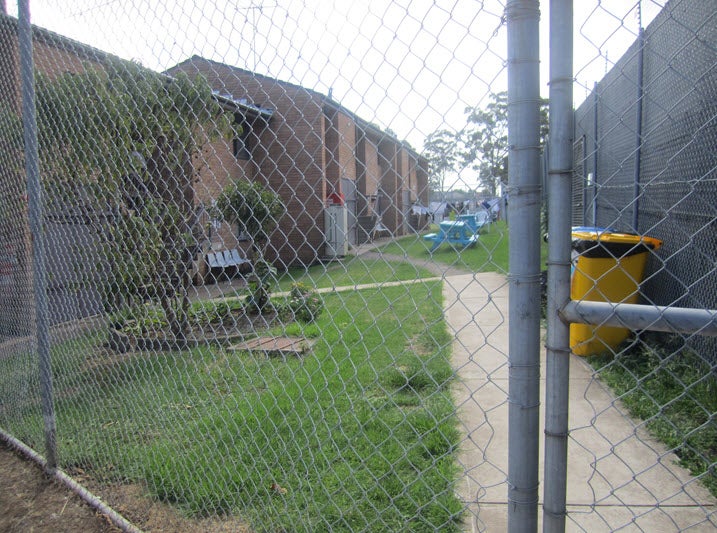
(435, 268)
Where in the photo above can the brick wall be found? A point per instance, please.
(389, 186)
(367, 181)
(331, 147)
(404, 193)
(422, 190)
(346, 149)
(309, 145)
(289, 155)
(340, 148)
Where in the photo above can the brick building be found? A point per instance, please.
(311, 148)
(300, 143)
(72, 232)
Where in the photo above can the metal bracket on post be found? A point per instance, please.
(642, 317)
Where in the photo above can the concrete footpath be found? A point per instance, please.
(618, 476)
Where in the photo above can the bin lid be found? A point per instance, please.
(596, 242)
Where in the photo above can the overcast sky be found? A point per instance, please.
(410, 65)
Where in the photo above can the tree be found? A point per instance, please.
(484, 141)
(256, 211)
(120, 140)
(441, 150)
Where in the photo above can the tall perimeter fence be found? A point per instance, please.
(278, 266)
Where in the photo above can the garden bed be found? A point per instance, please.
(224, 321)
(239, 327)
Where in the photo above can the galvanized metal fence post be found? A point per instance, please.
(638, 128)
(35, 212)
(560, 165)
(524, 300)
(596, 131)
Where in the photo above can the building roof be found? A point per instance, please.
(242, 104)
(45, 36)
(326, 100)
(90, 53)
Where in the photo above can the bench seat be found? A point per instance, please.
(226, 264)
(226, 258)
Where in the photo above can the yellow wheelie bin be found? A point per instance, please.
(607, 267)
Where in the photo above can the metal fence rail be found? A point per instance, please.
(277, 265)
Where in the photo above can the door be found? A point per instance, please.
(348, 187)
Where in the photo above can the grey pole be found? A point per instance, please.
(638, 130)
(642, 317)
(523, 18)
(560, 168)
(34, 193)
(596, 146)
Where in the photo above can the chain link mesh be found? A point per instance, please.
(276, 253)
(643, 130)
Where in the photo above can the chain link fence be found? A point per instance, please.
(254, 262)
(642, 166)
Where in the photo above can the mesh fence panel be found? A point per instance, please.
(277, 253)
(646, 170)
(228, 335)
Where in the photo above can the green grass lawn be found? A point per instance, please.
(352, 271)
(359, 435)
(675, 391)
(489, 254)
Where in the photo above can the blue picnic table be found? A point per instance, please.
(455, 232)
(476, 221)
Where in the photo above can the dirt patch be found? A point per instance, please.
(419, 346)
(236, 326)
(30, 501)
(150, 515)
(275, 346)
(437, 269)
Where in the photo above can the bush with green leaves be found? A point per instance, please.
(305, 303)
(255, 210)
(117, 141)
(260, 283)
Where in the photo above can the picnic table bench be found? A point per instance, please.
(476, 221)
(454, 232)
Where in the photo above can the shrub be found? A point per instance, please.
(260, 284)
(305, 303)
